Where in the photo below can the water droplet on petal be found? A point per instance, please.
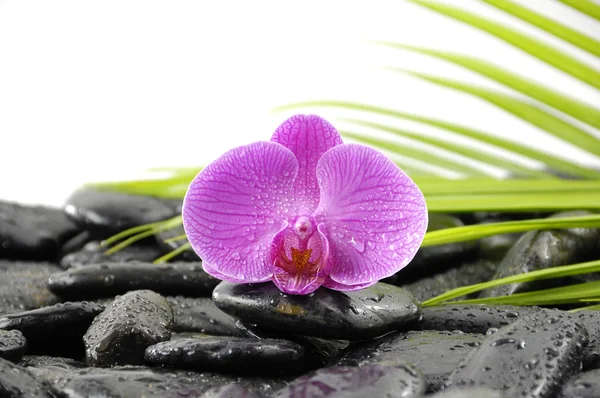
(358, 245)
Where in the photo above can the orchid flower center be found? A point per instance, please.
(299, 253)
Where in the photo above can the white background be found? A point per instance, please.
(97, 90)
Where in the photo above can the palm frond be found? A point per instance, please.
(551, 26)
(587, 7)
(593, 291)
(523, 109)
(539, 49)
(554, 162)
(478, 154)
(560, 101)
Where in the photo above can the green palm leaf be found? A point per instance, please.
(477, 154)
(551, 161)
(571, 106)
(533, 46)
(549, 25)
(415, 153)
(585, 6)
(524, 110)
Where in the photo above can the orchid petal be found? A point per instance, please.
(308, 137)
(376, 216)
(235, 206)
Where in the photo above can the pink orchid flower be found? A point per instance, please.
(304, 210)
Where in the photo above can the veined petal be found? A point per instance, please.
(308, 137)
(376, 216)
(236, 205)
(212, 271)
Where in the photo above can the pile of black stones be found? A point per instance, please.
(75, 322)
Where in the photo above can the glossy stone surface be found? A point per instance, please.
(94, 253)
(436, 354)
(357, 315)
(202, 315)
(64, 324)
(467, 274)
(32, 232)
(23, 286)
(584, 385)
(532, 357)
(476, 318)
(129, 325)
(537, 250)
(229, 355)
(372, 380)
(12, 345)
(17, 382)
(106, 213)
(110, 279)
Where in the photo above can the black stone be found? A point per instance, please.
(433, 259)
(224, 354)
(591, 352)
(584, 385)
(129, 325)
(56, 330)
(464, 275)
(32, 232)
(202, 315)
(471, 392)
(357, 315)
(94, 253)
(475, 318)
(23, 286)
(436, 354)
(17, 382)
(532, 357)
(319, 352)
(12, 345)
(106, 213)
(538, 250)
(129, 381)
(40, 362)
(163, 239)
(372, 380)
(110, 279)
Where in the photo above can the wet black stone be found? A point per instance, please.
(163, 238)
(436, 354)
(106, 213)
(232, 390)
(471, 392)
(130, 381)
(372, 380)
(475, 318)
(202, 315)
(23, 286)
(319, 352)
(432, 259)
(583, 385)
(62, 324)
(591, 352)
(129, 325)
(537, 250)
(532, 357)
(357, 315)
(225, 354)
(12, 345)
(17, 382)
(41, 362)
(464, 275)
(110, 279)
(32, 232)
(94, 253)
